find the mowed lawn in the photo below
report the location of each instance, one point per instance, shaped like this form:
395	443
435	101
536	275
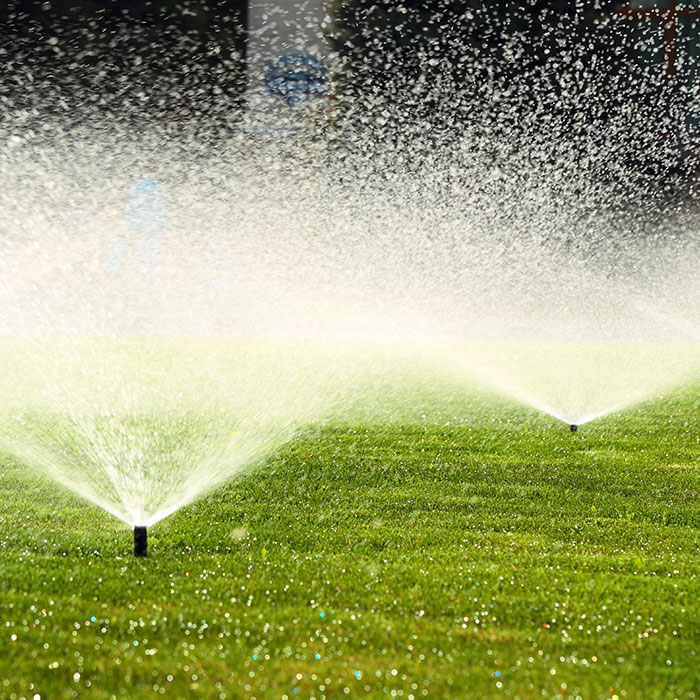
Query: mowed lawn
484	552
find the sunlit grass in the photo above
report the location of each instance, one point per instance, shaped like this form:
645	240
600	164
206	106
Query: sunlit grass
483	553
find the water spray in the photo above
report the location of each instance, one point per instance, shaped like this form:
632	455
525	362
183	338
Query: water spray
573	428
140	541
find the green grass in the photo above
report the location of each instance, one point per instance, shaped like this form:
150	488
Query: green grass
492	556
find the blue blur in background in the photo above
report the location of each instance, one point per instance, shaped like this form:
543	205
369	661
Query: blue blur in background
144	216
145	209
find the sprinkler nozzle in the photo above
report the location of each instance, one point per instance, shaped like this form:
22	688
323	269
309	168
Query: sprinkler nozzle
573	428
140	541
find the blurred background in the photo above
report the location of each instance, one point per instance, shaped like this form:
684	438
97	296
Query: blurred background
88	59
568	79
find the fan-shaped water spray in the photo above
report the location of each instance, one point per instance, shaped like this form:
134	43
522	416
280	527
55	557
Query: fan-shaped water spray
177	305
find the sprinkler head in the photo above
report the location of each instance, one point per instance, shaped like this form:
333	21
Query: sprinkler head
573	428
140	541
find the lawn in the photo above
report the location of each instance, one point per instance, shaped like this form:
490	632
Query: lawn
477	551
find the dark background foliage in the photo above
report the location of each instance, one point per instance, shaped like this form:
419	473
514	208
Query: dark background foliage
490	52
544	83
83	60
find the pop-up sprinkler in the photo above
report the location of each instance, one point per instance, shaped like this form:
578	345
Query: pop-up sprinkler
140	541
573	428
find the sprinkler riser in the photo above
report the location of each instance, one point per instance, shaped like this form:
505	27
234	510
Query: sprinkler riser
573	428
140	541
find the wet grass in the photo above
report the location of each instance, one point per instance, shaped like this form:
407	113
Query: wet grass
494	555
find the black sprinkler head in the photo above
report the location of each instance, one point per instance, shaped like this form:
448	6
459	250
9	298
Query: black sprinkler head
140	541
573	428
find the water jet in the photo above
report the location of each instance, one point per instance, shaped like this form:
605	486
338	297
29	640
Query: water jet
206	346
140	541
